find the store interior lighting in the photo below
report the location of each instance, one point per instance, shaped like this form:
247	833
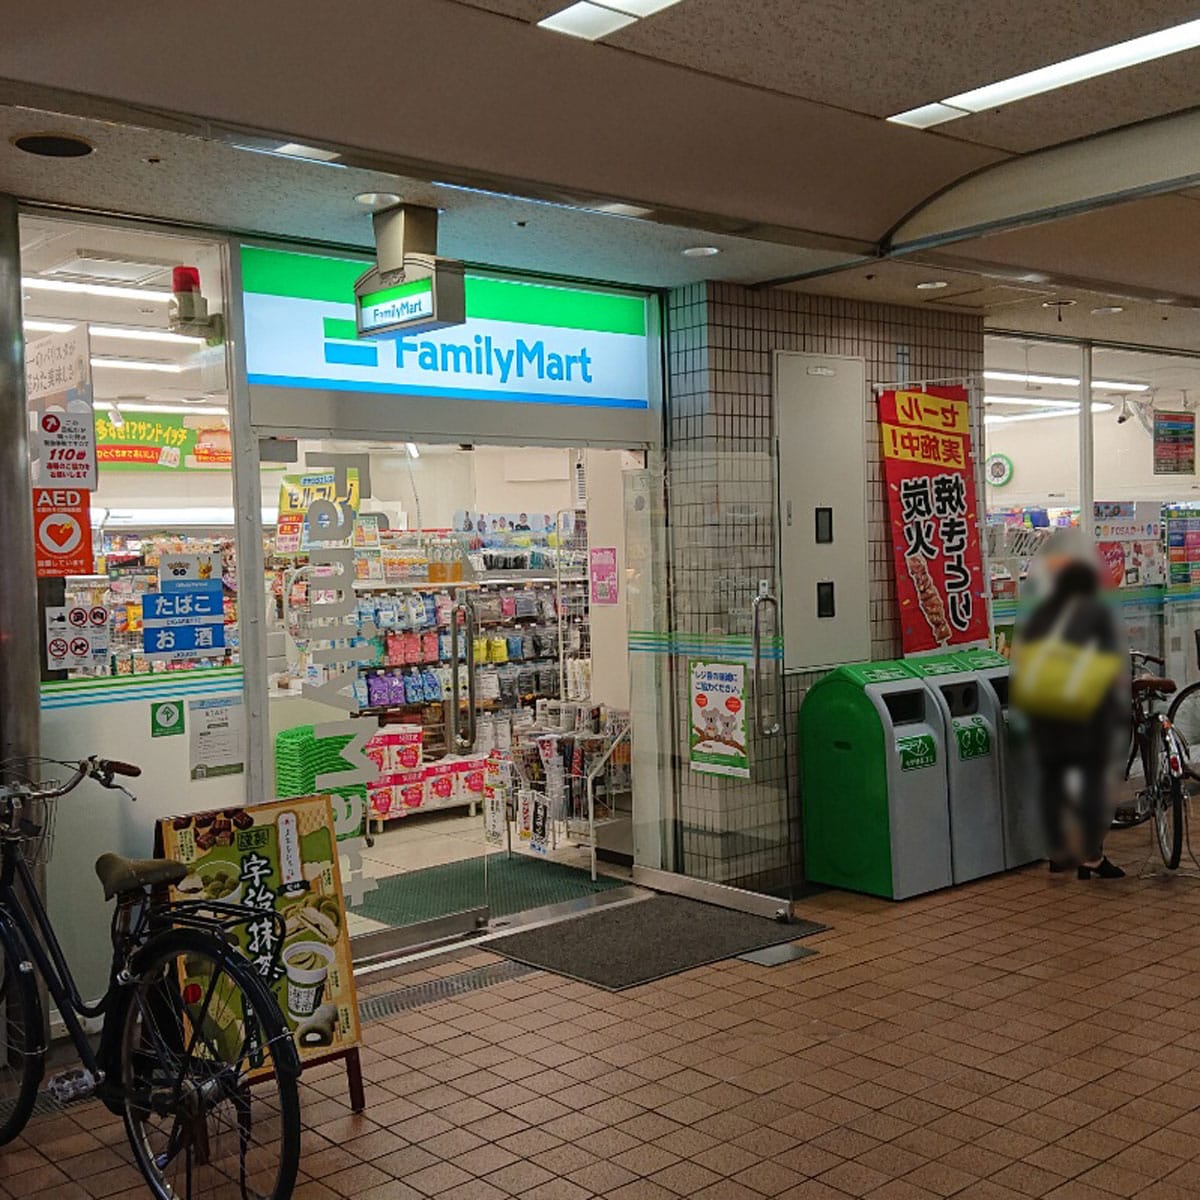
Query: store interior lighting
107	290
170	518
995	419
136	364
1026	401
413	452
1104	61
200	410
1105	385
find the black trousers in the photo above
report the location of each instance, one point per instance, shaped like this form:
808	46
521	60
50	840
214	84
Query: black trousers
1093	802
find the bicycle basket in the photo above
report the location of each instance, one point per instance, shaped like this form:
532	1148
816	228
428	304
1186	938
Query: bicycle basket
36	823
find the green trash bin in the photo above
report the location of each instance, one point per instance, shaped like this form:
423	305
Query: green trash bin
873	783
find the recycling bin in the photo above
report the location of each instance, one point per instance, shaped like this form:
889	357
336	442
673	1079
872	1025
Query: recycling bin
1024	830
972	739
873	782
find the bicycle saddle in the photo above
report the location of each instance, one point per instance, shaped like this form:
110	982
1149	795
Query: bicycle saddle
1153	683
121	875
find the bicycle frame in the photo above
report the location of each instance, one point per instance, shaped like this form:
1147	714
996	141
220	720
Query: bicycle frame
37	938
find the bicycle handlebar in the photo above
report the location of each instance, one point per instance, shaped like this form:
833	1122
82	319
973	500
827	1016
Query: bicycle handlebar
102	770
1147	658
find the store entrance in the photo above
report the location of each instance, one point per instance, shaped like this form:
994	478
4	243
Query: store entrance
476	670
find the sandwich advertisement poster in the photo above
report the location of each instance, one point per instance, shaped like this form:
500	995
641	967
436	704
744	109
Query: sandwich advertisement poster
929	473
163	442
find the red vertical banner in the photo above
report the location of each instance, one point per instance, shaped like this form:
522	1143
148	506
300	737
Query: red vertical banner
929	473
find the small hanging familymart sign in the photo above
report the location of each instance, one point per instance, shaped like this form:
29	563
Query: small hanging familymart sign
523	341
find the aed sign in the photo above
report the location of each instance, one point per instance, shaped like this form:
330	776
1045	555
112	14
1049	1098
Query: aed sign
62	530
518	341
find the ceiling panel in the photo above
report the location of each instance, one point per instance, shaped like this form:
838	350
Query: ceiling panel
431	85
1137	94
885	56
215	185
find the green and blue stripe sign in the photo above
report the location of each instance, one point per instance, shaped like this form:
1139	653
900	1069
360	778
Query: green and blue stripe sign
524	342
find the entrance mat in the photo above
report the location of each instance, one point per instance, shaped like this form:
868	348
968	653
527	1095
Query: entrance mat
514	885
627	944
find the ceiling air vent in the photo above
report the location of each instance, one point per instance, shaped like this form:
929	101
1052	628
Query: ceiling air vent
109	268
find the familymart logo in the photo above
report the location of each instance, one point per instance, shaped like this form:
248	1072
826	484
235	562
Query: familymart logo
522	342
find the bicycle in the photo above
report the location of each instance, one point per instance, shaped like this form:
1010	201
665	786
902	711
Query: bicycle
194	1054
1163	756
1184	712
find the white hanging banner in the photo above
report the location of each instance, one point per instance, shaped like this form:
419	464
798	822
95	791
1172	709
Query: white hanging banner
58	391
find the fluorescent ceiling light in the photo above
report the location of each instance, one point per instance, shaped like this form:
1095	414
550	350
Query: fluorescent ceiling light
93	289
199	410
413	452
206	518
134	364
1029	401
639	8
1057	75
587	21
313	153
1097	407
932	285
35	326
700	251
1107	385
143	335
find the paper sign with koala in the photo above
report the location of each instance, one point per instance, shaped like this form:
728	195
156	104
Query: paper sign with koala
718	719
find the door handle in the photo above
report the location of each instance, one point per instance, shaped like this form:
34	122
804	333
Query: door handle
765	730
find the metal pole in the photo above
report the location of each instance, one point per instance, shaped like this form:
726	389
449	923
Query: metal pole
19	673
1087	457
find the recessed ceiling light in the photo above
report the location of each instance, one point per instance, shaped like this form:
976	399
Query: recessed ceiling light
932	285
617	209
587	21
315	153
1106	309
413	452
1057	75
700	251
94	289
1059	304
639	8
35	326
1164	299
53	145
377	199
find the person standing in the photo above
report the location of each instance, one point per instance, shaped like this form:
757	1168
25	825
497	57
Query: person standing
1074	743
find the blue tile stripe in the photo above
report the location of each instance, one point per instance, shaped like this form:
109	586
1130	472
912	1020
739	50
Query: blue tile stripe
699	645
79	693
347	354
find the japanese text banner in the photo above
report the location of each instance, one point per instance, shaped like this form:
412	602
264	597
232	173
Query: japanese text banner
930	478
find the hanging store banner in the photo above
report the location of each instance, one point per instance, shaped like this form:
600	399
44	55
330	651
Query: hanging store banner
164	442
718	719
930	476
278	857
1174	443
62	530
58	391
523	342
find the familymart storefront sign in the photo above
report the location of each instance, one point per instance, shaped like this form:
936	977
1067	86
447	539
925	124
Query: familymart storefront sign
524	342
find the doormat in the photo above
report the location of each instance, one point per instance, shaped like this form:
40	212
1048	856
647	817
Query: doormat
514	885
619	947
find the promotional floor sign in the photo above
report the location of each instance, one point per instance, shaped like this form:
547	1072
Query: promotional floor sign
718	719
62	530
277	857
58	391
930	478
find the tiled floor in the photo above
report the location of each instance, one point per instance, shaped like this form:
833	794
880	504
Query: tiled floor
1024	1036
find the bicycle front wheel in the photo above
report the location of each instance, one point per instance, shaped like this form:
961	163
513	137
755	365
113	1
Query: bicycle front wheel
208	1075
21	1054
1184	714
1168	821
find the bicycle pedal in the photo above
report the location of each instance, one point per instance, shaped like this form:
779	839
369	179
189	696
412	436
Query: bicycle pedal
69	1087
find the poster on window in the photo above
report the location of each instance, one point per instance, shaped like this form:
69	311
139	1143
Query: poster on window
58	390
279	858
718	719
930	476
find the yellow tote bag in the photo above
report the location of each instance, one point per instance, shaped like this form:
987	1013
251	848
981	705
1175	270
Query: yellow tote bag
1052	677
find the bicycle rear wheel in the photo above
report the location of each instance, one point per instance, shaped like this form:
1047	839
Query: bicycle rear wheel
1184	714
21	1053
1167	800
208	1075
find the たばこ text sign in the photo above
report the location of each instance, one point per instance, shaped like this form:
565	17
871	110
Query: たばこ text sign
930	478
180	625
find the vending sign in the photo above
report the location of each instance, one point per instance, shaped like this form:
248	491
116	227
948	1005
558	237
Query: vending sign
930	477
62	528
